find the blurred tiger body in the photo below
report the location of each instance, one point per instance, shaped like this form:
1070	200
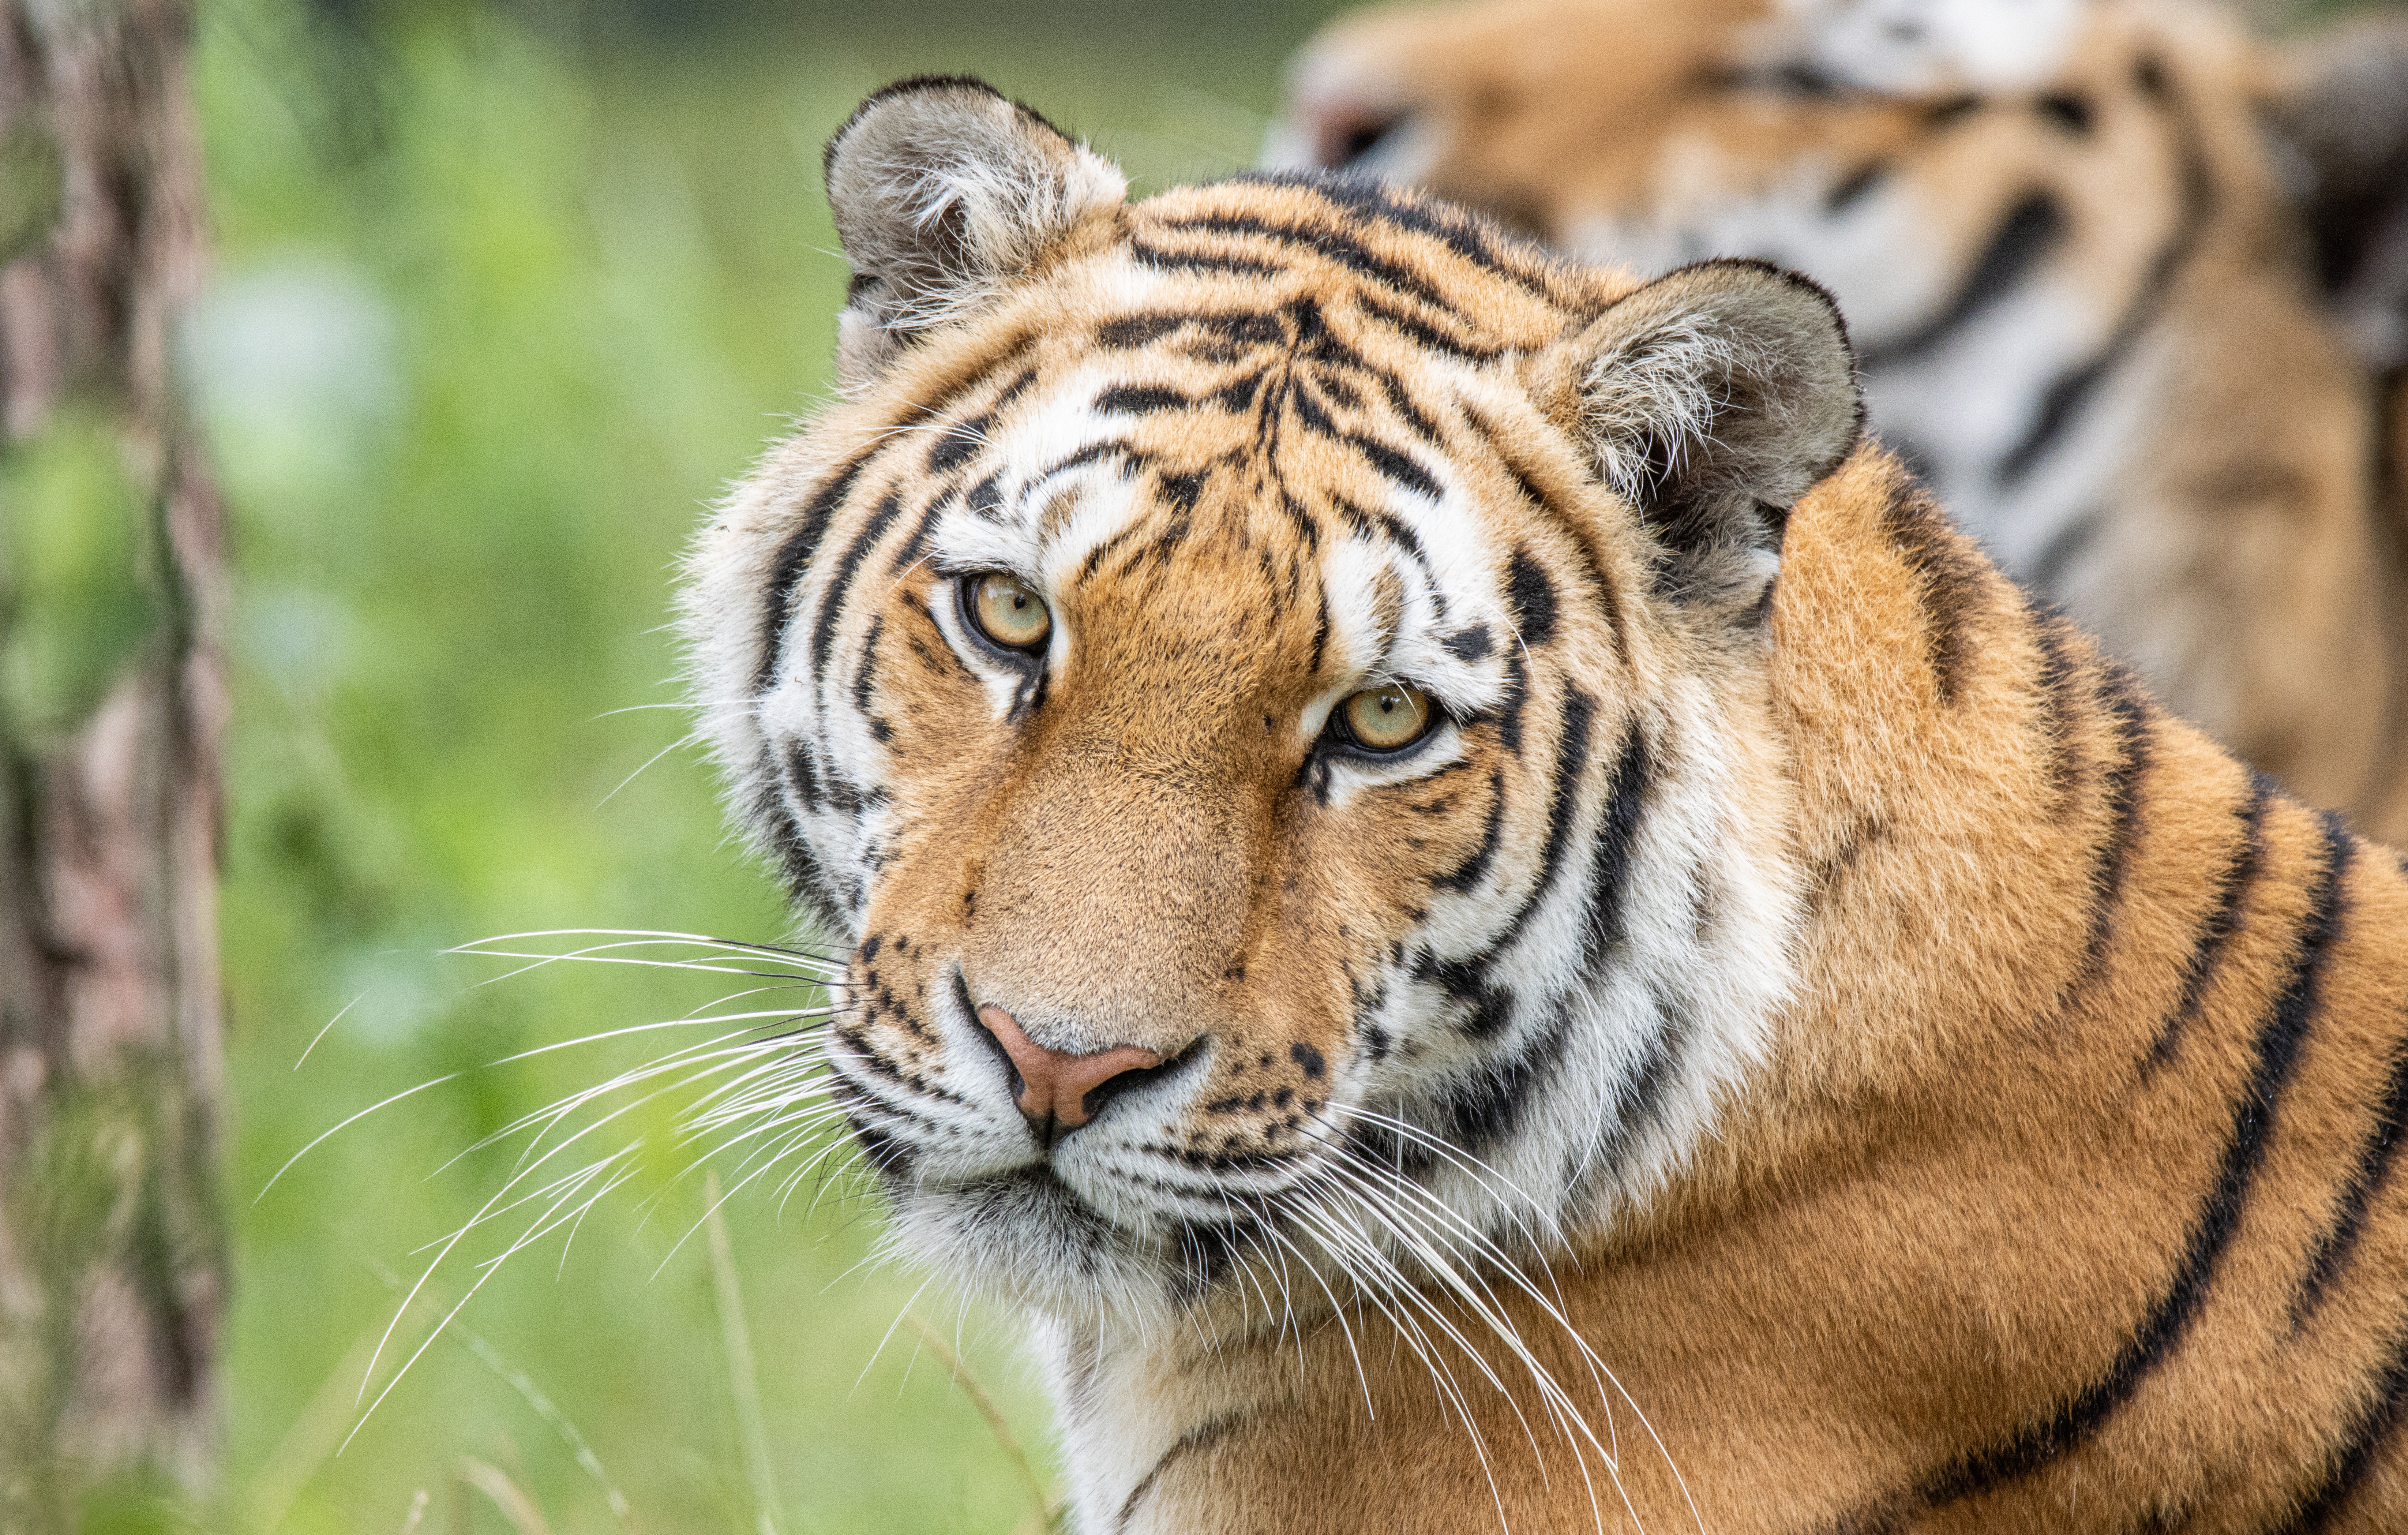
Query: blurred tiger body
2075	268
1801	1044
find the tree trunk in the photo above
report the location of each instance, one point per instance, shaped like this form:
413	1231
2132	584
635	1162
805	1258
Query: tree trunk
112	1260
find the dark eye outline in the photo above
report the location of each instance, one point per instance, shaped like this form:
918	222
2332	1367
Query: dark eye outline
1338	740
966	603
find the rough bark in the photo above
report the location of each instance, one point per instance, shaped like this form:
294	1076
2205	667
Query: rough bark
112	1265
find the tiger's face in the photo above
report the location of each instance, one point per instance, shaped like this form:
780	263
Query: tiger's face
1266	679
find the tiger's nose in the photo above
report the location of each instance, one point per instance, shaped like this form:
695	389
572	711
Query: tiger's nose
1053	1085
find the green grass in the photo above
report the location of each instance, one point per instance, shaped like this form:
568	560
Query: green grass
501	307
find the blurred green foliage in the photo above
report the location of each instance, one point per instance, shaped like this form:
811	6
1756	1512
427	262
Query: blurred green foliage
504	298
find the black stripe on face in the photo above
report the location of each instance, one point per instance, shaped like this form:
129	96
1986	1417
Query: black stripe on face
917	545
2275	1052
1134	400
1137	330
2224	919
2029	234
1457	231
1396	467
2065	397
1429	337
1327	241
1401	402
1517	694
1482	1112
796	553
1563	800
1163	260
1618	842
832	604
1533	598
2121	790
1470	872
1639	1096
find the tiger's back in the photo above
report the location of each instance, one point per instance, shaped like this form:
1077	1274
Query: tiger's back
2077	267
1784	1037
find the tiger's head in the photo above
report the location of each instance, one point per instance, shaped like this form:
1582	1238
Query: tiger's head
1270	682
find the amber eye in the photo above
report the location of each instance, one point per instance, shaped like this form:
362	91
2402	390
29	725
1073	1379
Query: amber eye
1008	612
1387	719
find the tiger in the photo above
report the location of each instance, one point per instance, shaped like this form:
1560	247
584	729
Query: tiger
1475	909
2089	260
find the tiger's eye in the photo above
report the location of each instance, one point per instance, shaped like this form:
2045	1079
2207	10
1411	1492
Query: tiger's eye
1386	719
1008	612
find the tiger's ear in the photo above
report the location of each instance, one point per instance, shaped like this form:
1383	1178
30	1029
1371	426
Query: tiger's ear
1710	399
942	190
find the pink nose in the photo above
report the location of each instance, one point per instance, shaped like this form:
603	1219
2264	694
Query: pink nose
1054	1083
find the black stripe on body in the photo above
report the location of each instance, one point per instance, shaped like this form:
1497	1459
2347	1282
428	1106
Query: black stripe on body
2121	792
2225	917
1189	1443
2375	1154
1948	580
2056	677
2067	394
2029	234
2275	1052
2057	556
2345	1470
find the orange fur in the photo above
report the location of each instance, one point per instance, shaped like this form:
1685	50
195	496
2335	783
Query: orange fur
2055	1194
2234	545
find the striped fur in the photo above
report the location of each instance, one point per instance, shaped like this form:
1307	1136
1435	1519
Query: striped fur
1807	1045
2071	254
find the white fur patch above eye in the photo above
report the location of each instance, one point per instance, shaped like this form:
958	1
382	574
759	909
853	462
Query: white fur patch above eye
1916	46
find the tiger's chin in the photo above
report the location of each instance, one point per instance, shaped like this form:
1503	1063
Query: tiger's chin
1025	1239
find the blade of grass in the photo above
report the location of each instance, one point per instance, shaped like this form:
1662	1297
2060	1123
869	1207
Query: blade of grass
1042	1508
743	1385
505	1495
519	1380
417	1511
314	1433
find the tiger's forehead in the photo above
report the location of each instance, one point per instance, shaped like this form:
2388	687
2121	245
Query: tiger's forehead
1209	445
